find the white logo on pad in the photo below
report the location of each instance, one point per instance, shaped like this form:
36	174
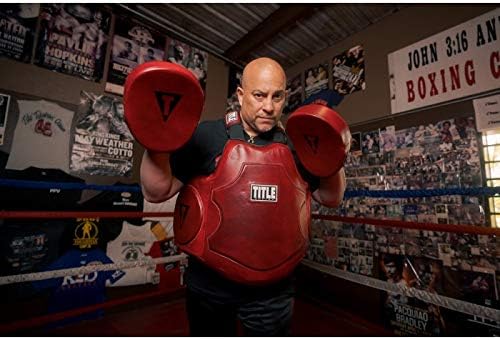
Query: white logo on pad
263	193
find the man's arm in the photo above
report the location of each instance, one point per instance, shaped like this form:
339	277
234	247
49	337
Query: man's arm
157	181
331	189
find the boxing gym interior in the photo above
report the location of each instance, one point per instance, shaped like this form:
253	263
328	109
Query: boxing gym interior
412	249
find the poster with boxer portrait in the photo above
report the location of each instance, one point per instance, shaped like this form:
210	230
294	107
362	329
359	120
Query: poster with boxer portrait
17	30
348	71
73	39
133	44
232	103
190	57
316	79
102	144
294	91
197	64
408	316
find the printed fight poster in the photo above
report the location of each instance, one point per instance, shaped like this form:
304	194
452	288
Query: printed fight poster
408	316
294	91
316	79
102	145
190	57
17	29
232	103
348	71
73	39
133	44
4	111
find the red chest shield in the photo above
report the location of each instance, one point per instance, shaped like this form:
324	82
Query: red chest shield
250	219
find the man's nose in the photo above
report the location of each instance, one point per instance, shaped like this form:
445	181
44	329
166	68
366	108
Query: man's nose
268	105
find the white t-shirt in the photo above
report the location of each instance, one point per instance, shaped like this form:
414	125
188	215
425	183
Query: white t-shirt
133	243
42	135
166	206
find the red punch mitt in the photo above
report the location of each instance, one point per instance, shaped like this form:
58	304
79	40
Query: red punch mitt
321	138
163	104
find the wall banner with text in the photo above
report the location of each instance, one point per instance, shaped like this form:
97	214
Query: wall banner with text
459	62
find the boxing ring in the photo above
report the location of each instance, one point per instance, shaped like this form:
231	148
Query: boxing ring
33	322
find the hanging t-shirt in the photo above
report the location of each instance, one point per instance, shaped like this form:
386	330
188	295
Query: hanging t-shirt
170	273
71	292
25	247
166	206
41	137
40	199
133	244
89	233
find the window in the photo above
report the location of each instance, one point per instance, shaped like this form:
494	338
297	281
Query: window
491	153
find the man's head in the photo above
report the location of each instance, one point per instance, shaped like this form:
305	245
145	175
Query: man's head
198	59
261	95
178	53
128	45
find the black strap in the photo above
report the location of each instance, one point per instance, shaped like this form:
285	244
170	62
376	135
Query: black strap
235	129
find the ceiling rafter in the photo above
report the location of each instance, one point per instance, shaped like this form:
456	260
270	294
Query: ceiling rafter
285	16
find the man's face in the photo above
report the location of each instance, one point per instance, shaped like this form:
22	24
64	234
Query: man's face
179	53
262	97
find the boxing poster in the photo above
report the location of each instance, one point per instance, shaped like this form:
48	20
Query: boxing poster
133	44
316	79
102	145
348	71
408	316
294	91
4	111
232	103
73	39
17	29
190	57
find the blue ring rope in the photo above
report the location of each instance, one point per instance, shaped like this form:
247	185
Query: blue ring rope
474	191
14	183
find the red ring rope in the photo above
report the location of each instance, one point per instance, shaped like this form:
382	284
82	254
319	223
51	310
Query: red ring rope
453	228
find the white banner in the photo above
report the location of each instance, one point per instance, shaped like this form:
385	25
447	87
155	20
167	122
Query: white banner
459	62
487	113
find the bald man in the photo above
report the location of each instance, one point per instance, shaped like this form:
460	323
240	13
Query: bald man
215	301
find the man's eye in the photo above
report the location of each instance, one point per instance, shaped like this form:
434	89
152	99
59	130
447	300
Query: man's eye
278	97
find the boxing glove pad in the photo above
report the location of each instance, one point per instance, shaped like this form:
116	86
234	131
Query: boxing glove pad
163	104
321	138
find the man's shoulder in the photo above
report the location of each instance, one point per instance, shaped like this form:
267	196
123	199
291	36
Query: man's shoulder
209	129
215	124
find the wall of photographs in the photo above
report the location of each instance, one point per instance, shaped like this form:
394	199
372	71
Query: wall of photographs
443	154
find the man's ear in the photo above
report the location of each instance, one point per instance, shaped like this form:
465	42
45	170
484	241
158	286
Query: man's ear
240	92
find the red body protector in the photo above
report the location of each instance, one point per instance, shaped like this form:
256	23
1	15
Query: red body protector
250	219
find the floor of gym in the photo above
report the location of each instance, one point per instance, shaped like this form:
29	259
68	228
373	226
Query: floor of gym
168	318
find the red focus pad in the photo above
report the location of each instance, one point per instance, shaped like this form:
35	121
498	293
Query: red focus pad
163	104
321	138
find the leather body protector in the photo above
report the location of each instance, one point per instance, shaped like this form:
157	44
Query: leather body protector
250	219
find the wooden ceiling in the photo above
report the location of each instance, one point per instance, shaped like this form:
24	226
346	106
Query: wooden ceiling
238	33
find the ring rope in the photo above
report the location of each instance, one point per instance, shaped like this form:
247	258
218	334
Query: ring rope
432	298
451	228
52	274
474	191
25	184
81	214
